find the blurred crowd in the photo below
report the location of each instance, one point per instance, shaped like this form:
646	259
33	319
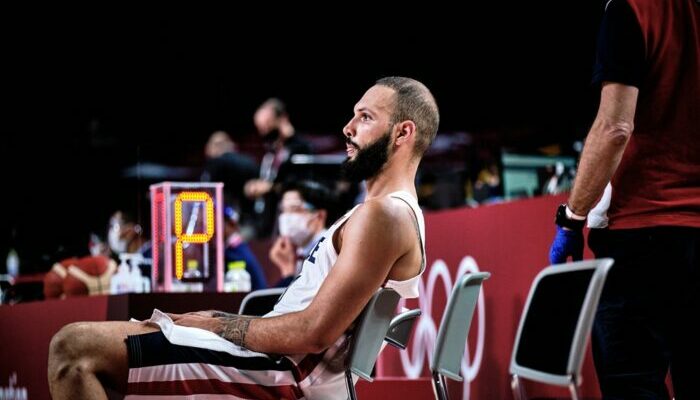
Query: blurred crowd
282	188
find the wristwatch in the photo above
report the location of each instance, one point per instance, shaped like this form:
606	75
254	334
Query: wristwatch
565	222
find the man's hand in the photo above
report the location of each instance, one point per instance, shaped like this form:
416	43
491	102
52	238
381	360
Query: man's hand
255	188
231	327
566	243
283	255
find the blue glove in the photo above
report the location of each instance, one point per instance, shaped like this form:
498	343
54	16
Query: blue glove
566	243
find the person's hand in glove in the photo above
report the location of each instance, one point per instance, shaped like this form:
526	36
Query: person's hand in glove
568	242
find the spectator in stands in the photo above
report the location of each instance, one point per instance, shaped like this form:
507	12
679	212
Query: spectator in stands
304	212
225	164
558	179
238	250
79	276
125	235
487	188
274	126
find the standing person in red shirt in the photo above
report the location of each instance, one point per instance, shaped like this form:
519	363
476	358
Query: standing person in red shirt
646	141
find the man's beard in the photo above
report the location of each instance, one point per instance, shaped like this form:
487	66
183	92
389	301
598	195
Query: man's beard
369	161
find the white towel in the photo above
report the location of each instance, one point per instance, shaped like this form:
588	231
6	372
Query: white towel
598	216
196	337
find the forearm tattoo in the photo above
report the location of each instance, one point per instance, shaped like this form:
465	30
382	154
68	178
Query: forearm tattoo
220	314
235	328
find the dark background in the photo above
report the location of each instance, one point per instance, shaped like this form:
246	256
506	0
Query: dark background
88	93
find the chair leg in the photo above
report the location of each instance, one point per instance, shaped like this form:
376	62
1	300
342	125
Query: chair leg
440	387
573	389
352	395
518	389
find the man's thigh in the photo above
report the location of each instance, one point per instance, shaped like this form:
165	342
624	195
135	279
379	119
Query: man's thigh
160	368
630	347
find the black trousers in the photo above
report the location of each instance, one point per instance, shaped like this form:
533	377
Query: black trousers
648	313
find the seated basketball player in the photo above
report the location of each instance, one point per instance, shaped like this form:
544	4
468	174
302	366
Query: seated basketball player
297	350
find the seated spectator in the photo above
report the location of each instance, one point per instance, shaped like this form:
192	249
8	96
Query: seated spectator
90	275
126	235
238	250
304	211
487	188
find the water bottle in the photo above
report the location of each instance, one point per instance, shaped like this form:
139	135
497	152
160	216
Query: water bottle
121	282
191	272
135	278
12	263
146	280
237	279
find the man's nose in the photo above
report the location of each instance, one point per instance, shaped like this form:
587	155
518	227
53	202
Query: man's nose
347	130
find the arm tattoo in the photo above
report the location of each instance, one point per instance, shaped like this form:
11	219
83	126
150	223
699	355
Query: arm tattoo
235	328
220	314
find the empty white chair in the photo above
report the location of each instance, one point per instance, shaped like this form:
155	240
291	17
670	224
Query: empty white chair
556	323
454	328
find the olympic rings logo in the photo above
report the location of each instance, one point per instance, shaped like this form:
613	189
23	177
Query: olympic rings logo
426	329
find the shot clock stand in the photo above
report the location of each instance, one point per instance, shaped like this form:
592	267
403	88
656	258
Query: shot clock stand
187	237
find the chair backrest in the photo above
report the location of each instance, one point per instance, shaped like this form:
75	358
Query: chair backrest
260	302
369	332
454	327
556	322
401	327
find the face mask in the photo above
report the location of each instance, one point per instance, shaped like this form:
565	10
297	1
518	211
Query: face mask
116	243
295	226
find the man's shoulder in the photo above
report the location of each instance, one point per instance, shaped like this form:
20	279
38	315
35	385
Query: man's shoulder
386	209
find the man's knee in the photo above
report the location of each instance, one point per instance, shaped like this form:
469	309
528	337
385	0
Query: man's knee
68	340
71	344
66	352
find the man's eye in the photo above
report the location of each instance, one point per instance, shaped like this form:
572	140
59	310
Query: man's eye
365	117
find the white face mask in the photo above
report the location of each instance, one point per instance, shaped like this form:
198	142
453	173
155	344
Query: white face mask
116	243
295	226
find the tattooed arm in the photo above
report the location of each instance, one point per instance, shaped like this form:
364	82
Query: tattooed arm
231	327
376	242
235	328
221	314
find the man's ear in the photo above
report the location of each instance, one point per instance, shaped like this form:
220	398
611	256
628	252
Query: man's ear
406	132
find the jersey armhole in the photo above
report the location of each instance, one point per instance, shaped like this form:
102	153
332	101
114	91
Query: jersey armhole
420	238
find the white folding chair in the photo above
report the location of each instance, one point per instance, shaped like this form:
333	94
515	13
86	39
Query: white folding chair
260	302
454	328
367	337
401	327
555	325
